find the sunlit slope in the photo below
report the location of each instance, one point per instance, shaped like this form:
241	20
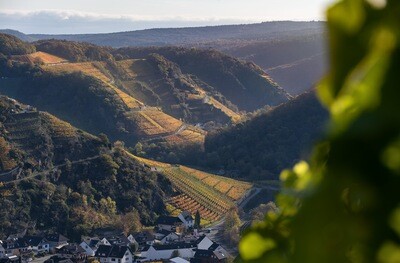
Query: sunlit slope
40	57
158	82
151	122
207	193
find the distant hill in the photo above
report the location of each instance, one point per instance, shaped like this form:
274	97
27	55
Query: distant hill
195	35
295	63
292	53
261	147
17	34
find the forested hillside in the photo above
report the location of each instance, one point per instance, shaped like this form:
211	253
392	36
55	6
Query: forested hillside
261	147
64	179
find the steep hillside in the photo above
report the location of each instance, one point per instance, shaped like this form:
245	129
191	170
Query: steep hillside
64	179
243	84
84	94
260	148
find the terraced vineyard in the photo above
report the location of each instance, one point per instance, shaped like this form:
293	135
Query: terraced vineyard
209	194
154	123
190	134
232	188
129	101
198	195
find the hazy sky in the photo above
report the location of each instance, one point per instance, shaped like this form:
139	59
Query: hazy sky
95	16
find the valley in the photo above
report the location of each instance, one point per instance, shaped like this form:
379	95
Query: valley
142	132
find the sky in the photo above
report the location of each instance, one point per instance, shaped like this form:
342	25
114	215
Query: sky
103	16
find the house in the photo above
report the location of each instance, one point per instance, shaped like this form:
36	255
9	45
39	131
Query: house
56	240
187	219
73	252
11	259
15	247
209	256
178	260
120	240
163	252
114	254
169	223
38	244
90	246
209	251
144	238
2	250
170	238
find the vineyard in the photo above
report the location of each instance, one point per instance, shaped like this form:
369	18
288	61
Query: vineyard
209	194
232	188
197	195
190	134
129	101
40	57
154	123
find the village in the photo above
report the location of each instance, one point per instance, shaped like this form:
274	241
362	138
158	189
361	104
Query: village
174	239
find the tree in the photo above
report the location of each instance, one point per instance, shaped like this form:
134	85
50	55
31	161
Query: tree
343	205
197	219
175	254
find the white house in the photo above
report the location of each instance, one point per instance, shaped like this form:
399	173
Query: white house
162	252
114	254
187	219
90	246
38	244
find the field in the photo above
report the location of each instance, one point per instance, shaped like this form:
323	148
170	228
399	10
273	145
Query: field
40	57
209	194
